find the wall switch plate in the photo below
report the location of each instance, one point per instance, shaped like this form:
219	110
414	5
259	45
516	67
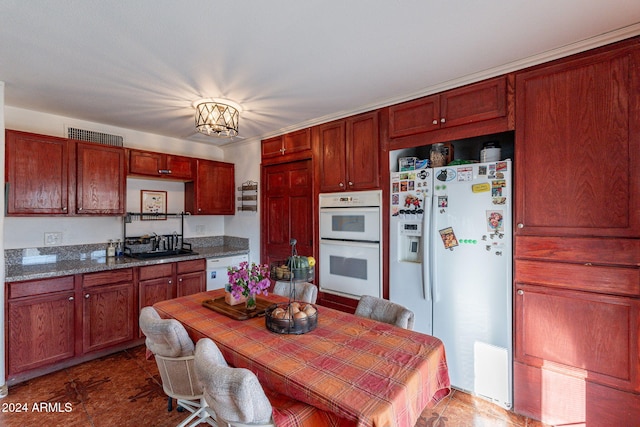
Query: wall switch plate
52	238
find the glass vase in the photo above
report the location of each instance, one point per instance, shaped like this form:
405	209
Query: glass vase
250	303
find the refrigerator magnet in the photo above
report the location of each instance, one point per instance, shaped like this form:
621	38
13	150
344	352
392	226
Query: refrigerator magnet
448	238
443	201
495	220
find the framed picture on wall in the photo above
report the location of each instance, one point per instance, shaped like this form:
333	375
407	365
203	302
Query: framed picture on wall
153	204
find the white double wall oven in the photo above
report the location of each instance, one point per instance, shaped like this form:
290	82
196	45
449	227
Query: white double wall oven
350	257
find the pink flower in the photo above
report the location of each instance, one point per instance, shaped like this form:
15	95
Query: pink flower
245	280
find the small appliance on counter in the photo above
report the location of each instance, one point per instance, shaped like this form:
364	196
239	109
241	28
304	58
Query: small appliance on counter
154	245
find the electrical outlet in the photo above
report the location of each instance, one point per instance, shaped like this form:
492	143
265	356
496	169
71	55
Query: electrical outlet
200	229
52	238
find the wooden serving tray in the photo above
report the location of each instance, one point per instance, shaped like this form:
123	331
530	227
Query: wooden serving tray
237	312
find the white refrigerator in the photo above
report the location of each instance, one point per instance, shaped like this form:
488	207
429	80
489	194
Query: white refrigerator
451	264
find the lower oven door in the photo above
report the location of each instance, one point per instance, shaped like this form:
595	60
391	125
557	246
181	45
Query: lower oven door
350	268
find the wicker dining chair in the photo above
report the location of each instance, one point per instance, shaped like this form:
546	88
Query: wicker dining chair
385	311
173	351
304	291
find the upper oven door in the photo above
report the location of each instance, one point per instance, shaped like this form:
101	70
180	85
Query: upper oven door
361	224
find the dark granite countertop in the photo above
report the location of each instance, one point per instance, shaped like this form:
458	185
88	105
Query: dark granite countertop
16	272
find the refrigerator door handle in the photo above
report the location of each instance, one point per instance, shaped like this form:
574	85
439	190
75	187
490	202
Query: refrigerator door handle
426	249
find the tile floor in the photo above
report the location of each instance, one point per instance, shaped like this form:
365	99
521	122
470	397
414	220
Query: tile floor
124	389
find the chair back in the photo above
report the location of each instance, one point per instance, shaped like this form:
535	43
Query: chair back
234	394
173	349
164	337
304	291
385	311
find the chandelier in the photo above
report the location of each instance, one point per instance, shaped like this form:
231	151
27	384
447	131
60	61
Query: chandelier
217	117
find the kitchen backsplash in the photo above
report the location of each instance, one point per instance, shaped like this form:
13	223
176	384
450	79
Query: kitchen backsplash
50	254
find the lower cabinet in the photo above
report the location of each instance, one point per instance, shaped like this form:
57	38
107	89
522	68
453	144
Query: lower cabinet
40	323
58	322
108	309
191	277
577	317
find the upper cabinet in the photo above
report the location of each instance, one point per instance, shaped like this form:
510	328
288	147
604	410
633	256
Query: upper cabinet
36	174
482	108
160	165
289	147
55	176
100	187
348	153
212	192
578	139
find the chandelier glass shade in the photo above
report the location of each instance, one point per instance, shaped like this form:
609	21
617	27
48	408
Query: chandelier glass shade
217	118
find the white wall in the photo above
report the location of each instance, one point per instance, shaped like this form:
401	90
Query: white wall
246	156
29	232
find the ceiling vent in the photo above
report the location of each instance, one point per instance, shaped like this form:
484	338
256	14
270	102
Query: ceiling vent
91	136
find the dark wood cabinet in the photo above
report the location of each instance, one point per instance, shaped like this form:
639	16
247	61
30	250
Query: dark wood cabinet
288	147
101	180
160	165
488	105
109	315
576	246
212	192
54	176
348	154
191	277
578	154
36	174
287	200
40	323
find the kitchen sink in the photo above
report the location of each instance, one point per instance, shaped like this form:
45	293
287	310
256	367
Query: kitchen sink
160	254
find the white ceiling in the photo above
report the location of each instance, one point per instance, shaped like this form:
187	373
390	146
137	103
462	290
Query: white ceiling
140	64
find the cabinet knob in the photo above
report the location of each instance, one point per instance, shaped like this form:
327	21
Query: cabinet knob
520	292
435	122
180	279
442	120
282	150
79	208
341	185
199	209
71	298
64	208
520	225
170	281
86	296
350	183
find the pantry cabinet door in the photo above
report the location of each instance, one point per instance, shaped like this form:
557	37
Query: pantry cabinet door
578	155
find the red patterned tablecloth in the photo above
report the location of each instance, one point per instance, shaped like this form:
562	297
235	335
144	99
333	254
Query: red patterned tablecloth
364	371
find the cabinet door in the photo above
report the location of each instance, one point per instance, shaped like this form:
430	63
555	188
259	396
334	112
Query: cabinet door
288	210
100	179
363	150
413	117
473	103
213	191
107	316
36	174
145	163
179	167
272	147
593	333
297	141
191	283
332	156
578	154
40	331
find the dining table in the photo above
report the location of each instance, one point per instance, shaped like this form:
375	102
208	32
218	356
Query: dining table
363	372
